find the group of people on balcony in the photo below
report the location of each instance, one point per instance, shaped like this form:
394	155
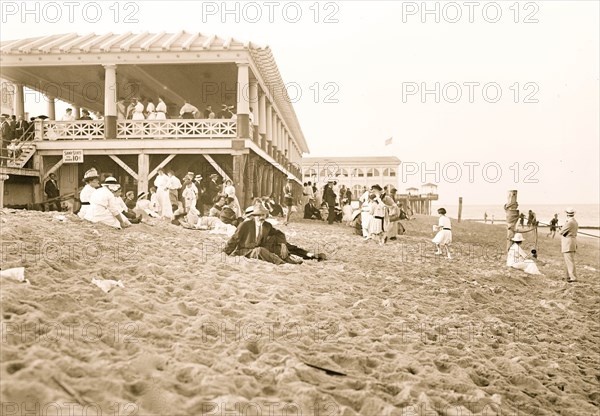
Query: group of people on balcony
14	131
136	110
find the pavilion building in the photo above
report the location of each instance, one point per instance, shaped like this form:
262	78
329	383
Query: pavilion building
258	148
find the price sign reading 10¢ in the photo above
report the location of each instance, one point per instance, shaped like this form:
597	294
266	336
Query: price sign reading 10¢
72	156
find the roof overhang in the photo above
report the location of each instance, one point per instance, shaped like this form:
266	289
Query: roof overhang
23	60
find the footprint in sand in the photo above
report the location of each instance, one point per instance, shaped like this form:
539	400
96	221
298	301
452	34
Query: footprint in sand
190	311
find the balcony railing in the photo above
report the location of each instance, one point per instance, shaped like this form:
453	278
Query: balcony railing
137	129
70	130
176	129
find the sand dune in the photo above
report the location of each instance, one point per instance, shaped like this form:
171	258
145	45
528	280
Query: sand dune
194	332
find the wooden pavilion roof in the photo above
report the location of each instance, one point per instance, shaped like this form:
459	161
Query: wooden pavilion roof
73	48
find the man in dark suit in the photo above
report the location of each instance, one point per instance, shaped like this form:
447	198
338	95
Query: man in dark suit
329	197
21	127
212	189
250	238
52	191
5	127
311	212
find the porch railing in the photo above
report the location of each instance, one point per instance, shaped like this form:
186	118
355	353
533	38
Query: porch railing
137	129
70	130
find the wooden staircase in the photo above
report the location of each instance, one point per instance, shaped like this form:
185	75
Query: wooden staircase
27	150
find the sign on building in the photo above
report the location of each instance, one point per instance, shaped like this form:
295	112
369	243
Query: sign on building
72	156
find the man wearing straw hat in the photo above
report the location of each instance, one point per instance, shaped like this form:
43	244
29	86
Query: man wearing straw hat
569	243
250	237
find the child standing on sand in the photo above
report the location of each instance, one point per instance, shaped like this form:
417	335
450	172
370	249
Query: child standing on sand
443	238
376	231
190	196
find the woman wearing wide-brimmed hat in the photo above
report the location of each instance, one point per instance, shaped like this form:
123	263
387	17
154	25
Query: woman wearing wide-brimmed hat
103	205
92	182
517	258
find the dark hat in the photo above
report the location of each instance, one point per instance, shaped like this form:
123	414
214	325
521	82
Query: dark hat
376	187
442	211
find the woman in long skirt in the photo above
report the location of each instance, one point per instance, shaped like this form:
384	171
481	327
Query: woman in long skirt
376	224
230	192
443	238
162	192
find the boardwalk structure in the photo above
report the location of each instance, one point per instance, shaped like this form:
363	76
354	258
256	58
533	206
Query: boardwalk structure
360	173
258	147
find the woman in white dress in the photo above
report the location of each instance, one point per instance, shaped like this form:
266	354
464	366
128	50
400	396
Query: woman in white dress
443	238
150	110
162	193
365	214
517	258
104	207
161	110
230	192
138	111
92	182
144	206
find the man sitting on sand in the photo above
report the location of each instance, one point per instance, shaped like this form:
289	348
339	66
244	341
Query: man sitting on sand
276	242
250	237
311	212
517	257
227	214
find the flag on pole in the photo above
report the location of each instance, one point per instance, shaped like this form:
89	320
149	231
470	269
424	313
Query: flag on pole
388	141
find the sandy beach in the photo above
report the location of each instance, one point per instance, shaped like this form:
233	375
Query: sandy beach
193	332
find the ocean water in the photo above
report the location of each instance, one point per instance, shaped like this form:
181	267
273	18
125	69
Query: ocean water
587	215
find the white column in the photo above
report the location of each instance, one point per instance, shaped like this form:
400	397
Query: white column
269	123
275	130
19	101
279	138
262	110
243	87
254	101
51	108
110	101
110	90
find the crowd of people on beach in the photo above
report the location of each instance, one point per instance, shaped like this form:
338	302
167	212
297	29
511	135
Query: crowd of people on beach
199	204
182	203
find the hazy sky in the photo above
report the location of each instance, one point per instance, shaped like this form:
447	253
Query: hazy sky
518	91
